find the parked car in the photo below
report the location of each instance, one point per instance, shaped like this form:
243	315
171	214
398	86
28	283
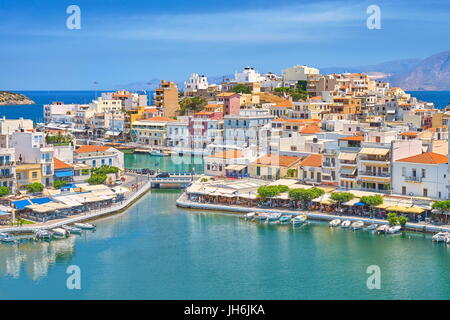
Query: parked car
163	175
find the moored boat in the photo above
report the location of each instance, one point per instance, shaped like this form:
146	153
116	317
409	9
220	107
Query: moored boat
372	226
59	232
7	238
71	229
285	218
357	225
273	217
394	229
383	228
250	216
299	219
87	226
440	237
346	224
335	222
262	216
158	153
42	234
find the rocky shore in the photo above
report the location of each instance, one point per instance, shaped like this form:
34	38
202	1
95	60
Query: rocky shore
10	98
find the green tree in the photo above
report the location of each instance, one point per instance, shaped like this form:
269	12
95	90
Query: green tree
58	184
292	173
372	201
305	195
271	191
392	218
341	197
402	220
97	178
34	187
241	88
193	104
105	170
4	191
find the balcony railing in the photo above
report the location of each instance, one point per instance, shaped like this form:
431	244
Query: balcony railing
375	174
413	179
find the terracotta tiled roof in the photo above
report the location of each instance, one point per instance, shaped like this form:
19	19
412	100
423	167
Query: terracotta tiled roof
228	154
310	129
283	104
58	164
88	148
409	134
353	138
276	160
313	160
296	120
426	158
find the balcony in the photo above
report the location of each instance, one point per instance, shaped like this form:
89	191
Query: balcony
375	174
6	176
413	179
6	164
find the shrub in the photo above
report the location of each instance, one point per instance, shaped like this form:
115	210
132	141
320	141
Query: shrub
34	187
271	191
58	184
104	170
402	220
341	197
4	191
372	201
392	218
97	178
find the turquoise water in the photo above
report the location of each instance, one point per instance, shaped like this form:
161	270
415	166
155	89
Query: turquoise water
158	251
173	163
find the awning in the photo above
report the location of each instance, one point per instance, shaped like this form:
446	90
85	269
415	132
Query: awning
61	174
235	167
113	133
40	200
21	204
374	151
3	213
347	156
347	170
415	209
351	202
397	208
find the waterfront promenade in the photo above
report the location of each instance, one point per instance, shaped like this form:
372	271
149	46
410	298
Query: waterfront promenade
143	186
184	202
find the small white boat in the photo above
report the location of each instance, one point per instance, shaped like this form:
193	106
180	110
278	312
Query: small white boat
262	216
87	226
274	217
447	240
335	222
42	234
6	237
372	226
394	229
383	228
285	218
60	232
357	225
299	219
440	237
158	153
250	215
72	229
346	224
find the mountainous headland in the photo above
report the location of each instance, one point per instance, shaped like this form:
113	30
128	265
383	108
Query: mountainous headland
8	98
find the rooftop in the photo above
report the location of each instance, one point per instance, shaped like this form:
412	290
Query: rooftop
426	158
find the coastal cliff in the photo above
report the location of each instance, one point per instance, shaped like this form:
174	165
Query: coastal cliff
11	98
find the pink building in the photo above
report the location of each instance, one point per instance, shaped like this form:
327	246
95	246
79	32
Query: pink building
231	103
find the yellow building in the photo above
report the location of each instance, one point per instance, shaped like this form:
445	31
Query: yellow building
28	173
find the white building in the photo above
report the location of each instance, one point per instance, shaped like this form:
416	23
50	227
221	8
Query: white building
97	156
248	75
298	73
178	134
196	82
423	175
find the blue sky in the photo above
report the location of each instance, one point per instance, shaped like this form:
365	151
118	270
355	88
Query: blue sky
127	41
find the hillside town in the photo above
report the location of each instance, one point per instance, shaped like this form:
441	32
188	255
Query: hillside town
340	132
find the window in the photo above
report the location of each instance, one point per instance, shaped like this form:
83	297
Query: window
110	161
403	171
34	174
425	192
404	190
258	171
423	173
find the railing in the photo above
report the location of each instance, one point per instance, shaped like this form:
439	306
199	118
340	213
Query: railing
413	179
374	174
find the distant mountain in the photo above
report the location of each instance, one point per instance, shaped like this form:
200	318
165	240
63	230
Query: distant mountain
388	68
432	73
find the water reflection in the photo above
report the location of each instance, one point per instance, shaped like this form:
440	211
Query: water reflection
34	257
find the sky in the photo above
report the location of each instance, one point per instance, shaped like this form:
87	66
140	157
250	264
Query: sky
122	42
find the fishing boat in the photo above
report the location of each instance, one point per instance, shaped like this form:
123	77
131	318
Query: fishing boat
285	218
7	238
72	229
250	216
383	228
394	229
299	219
41	234
372	226
440	237
86	226
262	216
158	153
274	217
60	232
346	224
335	222
357	225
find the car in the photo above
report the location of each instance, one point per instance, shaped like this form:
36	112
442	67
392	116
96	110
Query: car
118	181
163	175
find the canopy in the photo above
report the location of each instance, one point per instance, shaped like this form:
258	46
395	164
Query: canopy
351	202
347	156
374	151
359	203
347	170
415	209
40	208
397	208
3	213
62	174
41	200
235	167
113	133
69	201
21	204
